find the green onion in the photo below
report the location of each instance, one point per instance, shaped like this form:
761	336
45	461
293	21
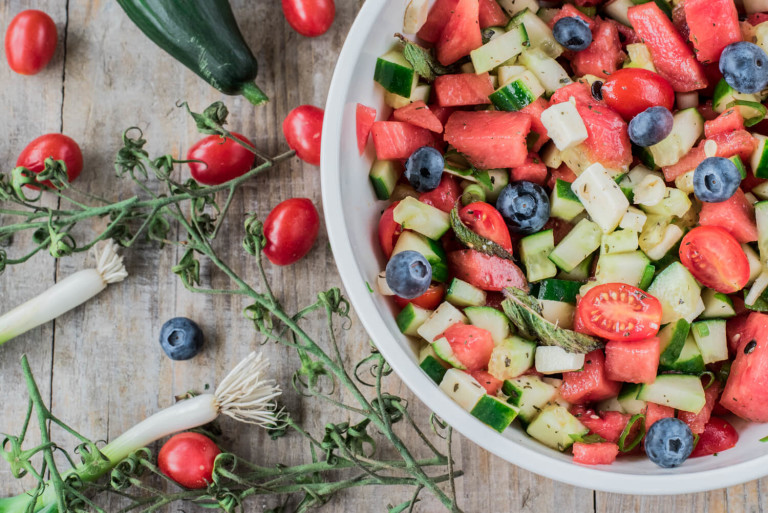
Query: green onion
759	107
473	192
65	295
623	447
244	395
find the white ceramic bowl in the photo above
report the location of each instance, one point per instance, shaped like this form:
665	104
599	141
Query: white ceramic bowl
352	213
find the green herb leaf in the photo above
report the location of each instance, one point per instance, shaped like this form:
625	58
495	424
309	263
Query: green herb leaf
483	178
592	438
422	60
528	320
764	439
475	241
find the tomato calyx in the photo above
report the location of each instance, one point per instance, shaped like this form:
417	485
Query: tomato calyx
617	311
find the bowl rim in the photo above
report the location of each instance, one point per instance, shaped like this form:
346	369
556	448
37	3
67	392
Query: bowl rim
663	483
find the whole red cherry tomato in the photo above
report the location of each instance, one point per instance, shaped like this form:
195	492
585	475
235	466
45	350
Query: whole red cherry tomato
484	220
618	311
302	129
30	42
222	159
291	229
718	436
56	146
309	18
188	458
389	230
715	259
630	91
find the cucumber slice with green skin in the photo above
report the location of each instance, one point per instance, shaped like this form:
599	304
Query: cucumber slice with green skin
441	319
647	278
534	252
690	360
554	360
499	50
499	179
679	294
431	249
410	319
549	72
425	219
759	159
580	242
601	197
462	388
443	350
675	203
716	305
529	394
395	73
513	7
645	156
687	127
628	399
494	413
539	34
518	93
563	203
492	320
556	427
432	364
558	313
672	338
580	273
711	339
620	241
610	404
639	57
630	268
659	236
384	176
511	358
725	94
461	293
559	290
761	190
679	391
508	73
739	165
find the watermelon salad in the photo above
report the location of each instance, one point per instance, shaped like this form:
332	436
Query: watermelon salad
576	216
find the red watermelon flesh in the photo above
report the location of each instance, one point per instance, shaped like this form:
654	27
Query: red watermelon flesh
735	214
570	11
489	139
591	384
463	89
532	170
603	56
602	453
365	116
437	19
461	34
746	391
729	121
491	14
655	412
534	109
713	25
737	142
418	114
484	271
697	421
632	362
397	140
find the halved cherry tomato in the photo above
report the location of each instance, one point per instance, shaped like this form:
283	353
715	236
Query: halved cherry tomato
291	229
430	300
389	230
618	311
309	18
303	128
630	91
483	219
188	459
30	42
715	259
718	436
56	146
471	345
221	159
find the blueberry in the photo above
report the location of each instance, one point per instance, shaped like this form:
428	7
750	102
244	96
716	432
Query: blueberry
669	442
715	180
181	338
424	168
651	126
745	67
409	274
524	206
573	33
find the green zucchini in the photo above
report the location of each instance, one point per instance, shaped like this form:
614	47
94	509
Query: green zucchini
202	35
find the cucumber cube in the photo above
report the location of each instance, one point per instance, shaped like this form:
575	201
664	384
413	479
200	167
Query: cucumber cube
384	176
494	412
559	290
425	219
444	351
580	242
534	251
432	364
529	394
511	358
674	203
672	337
687	127
716	305
679	391
395	73
620	241
679	294
462	388
410	319
633	219
711	339
519	92
549	72
489	319
499	50
564	204
554	359
628	399
630	268
461	293
539	33
556	427
441	319
690	360
431	249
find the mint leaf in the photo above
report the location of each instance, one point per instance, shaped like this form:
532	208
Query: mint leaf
483	178
422	60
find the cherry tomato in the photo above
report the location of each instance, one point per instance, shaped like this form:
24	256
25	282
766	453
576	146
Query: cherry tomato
291	229
188	458
718	436
30	42
715	259
430	300
309	18
630	91
56	146
618	311
484	220
221	159
389	230
303	128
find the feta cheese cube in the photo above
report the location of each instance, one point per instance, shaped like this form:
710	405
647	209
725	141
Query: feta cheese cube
564	125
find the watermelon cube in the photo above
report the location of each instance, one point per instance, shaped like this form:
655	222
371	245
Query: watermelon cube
535	109
489	139
491	14
735	214
437	19
418	114
397	140
654	412
632	361
746	391
713	25
603	56
461	34
603	453
728	121
532	170
365	116
463	89
697	421
590	384
485	271
608	424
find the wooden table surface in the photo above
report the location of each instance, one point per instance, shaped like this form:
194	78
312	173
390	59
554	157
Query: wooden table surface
100	365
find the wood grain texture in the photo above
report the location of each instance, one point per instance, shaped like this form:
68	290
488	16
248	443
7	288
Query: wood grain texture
101	364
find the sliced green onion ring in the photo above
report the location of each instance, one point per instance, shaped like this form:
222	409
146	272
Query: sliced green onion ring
623	447
752	105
